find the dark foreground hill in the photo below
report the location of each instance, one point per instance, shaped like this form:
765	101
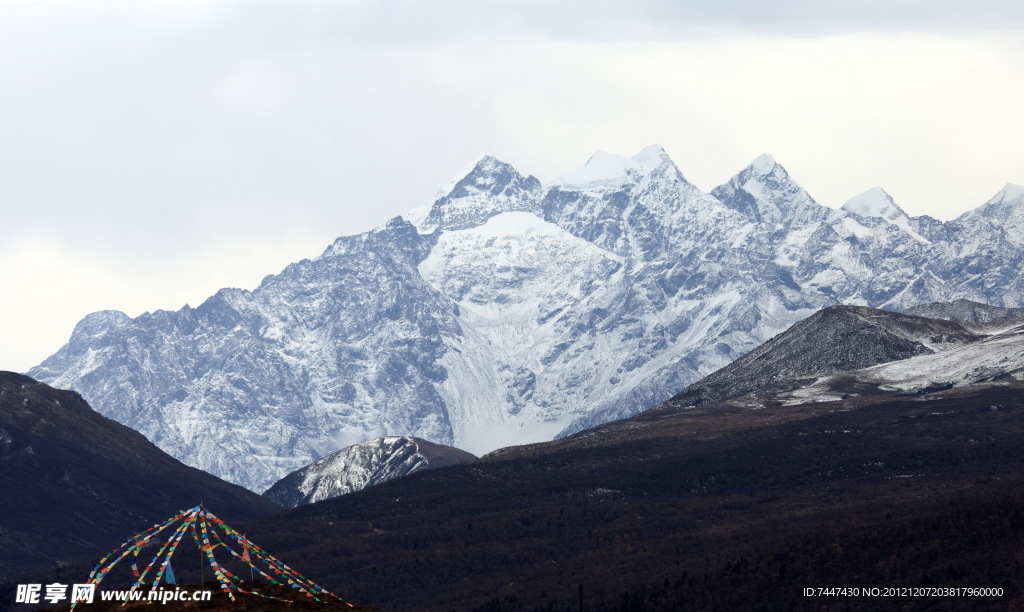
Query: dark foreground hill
75	484
719	507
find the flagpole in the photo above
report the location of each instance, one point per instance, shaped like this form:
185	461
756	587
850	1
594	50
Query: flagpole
245	548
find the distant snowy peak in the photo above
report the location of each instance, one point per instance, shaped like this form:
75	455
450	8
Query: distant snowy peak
1011	194
362	465
1004	213
1006	204
608	170
489	175
764	165
98	323
490	187
764	192
875	203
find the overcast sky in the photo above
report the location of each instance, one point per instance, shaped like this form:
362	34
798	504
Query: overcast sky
153	152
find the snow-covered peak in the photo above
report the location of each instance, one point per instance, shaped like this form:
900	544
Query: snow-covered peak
765	193
98	323
601	170
763	165
648	159
477	165
605	169
877	203
486	174
488	164
489	186
1010	194
874	202
1005	210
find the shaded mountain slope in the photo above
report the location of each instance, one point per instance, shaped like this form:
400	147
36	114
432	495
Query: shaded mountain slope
998	356
76	483
835	339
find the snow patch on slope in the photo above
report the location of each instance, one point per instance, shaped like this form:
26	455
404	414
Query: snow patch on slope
510	279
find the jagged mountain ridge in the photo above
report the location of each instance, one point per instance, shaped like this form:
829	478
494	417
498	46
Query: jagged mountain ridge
362	465
509	311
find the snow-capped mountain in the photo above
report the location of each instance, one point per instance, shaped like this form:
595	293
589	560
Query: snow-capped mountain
362	465
875	203
508	311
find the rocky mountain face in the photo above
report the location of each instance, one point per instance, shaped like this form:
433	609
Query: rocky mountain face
362	465
508	311
76	483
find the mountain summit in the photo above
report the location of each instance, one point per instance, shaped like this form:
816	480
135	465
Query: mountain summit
765	193
1011	194
508	311
876	203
